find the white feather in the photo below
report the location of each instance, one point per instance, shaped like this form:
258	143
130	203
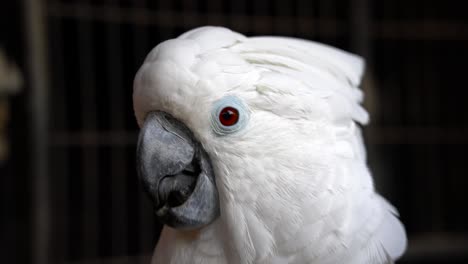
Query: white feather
293	185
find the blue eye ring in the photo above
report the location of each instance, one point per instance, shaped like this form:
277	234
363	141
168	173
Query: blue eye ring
230	102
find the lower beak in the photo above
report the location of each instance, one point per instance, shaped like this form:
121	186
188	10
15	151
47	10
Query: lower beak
176	173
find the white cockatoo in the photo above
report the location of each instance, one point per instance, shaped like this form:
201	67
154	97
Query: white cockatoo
251	151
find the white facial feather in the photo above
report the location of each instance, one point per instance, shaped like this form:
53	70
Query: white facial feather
293	183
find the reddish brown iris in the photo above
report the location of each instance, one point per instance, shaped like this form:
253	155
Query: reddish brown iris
229	116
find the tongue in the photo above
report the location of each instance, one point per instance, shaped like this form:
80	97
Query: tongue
174	190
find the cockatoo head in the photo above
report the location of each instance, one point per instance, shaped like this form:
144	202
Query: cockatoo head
229	121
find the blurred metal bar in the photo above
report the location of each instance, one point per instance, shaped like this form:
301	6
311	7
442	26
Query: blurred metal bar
429	86
59	156
190	6
284	9
164	32
435	245
262	22
117	156
377	135
145	229
422	30
169	18
140	37
327	9
418	135
36	43
238	7
361	42
305	29
93	138
361	28
389	29
116	260
213	7
89	120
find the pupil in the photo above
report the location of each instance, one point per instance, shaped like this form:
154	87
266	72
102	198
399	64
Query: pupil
227	115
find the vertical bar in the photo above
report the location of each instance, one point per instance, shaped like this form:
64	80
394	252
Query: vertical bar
215	10
388	7
361	21
361	43
118	164
279	12
327	13
361	28
189	7
238	8
4	181
59	154
36	43
89	121
146	228
165	32
261	10
304	11
430	110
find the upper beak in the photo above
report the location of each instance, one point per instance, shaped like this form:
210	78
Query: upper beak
176	173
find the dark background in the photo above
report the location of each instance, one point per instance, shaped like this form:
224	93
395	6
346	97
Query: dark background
69	192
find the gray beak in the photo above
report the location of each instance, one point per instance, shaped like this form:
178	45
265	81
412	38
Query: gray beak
176	173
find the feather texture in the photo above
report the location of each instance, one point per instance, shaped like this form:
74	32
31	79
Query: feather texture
293	184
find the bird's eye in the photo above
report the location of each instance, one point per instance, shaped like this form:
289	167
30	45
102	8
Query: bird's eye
229	115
